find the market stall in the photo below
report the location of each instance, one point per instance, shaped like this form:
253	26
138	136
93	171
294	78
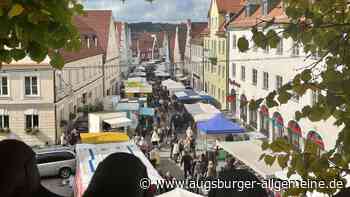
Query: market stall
100	138
116	120
173	86
201	111
132	109
216	128
250	156
187	96
136	89
178	192
90	155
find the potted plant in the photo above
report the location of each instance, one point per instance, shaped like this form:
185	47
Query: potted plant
35	130
6	130
28	130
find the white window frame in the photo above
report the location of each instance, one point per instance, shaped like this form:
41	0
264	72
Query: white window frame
8	85
32	120
265	80
279	85
2	117
243	73
255	77
38	85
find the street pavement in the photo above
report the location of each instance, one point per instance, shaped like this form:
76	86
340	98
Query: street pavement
55	185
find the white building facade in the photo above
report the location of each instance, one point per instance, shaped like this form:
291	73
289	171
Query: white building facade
257	72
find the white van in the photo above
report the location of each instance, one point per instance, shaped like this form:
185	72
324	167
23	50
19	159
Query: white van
53	162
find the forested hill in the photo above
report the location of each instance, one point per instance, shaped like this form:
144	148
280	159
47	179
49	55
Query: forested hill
152	27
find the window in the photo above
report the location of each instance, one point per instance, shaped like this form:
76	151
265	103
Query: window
4	121
234	42
4	86
279	50
32	121
267	49
266	81
233	70
242	73
295	49
31	85
255	77
83	98
219	69
223	71
314	97
279	82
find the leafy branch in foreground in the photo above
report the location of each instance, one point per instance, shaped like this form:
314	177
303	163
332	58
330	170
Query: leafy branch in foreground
38	29
322	28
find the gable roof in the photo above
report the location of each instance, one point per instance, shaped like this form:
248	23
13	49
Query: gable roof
243	21
197	28
227	6
99	20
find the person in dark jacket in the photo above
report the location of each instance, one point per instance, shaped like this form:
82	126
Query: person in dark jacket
118	175
187	160
19	174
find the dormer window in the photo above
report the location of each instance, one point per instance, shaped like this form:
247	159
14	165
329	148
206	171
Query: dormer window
87	41
95	41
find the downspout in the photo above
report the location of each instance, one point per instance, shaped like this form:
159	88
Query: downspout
54	105
227	66
103	75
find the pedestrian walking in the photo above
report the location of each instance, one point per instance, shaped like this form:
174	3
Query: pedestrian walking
187	160
176	151
211	172
173	140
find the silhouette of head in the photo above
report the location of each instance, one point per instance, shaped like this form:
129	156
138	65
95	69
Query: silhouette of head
19	175
118	175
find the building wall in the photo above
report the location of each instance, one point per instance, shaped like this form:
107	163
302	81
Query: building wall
17	104
112	63
196	66
215	76
286	65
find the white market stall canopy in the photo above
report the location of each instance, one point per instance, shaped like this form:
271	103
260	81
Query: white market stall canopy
178	192
144	89
161	74
249	153
137	79
201	111
119	122
173	86
138	74
90	155
96	119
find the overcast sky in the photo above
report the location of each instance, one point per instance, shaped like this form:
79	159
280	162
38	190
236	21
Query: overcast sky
159	11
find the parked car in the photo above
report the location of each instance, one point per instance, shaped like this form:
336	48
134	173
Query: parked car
53	162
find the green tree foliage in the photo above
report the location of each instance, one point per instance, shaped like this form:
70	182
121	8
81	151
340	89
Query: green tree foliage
322	28
37	28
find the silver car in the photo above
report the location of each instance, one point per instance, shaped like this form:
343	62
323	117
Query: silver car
53	162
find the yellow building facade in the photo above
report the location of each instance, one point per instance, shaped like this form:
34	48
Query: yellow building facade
215	67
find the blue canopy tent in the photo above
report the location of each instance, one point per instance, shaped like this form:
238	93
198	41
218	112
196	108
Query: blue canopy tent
219	125
188	96
216	126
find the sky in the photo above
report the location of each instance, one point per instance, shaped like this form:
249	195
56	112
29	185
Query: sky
172	11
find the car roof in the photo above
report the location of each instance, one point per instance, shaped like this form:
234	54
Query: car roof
54	149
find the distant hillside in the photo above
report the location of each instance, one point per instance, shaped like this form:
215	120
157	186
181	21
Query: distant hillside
152	27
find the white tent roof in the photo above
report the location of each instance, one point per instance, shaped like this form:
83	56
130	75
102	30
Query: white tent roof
201	111
137	79
119	122
249	153
178	192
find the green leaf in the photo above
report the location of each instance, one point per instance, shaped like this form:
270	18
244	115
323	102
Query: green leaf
284	97
243	44
16	10
273	38
262	156
1	12
265	145
269	160
5	56
283	161
18	54
57	61
306	75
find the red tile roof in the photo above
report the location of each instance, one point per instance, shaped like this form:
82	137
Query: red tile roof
197	29
99	20
85	30
227	6
248	21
